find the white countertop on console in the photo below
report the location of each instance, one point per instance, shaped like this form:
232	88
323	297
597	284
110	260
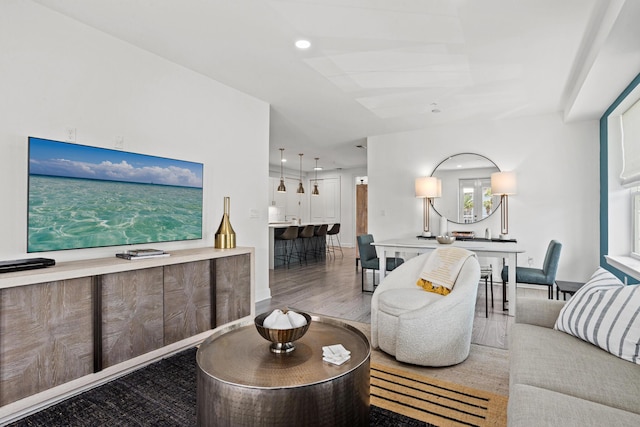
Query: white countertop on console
93	267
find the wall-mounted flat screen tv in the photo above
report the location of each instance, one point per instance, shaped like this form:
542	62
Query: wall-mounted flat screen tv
87	197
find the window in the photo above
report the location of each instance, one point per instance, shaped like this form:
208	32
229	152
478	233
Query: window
635	206
476	202
630	176
631	146
619	204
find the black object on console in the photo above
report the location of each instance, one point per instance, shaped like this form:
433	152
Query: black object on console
25	264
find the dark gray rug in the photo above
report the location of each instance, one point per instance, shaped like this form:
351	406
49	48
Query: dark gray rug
160	394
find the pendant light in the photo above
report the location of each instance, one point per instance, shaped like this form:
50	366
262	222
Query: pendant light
281	187
300	187
315	191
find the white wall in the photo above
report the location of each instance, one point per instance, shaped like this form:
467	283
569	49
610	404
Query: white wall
56	73
558	189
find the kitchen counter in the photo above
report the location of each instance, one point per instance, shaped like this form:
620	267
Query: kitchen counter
286	224
277	228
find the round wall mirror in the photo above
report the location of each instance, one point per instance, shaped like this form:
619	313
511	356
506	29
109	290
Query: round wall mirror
466	188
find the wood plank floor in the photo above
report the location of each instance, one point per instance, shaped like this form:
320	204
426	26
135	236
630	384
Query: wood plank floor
332	287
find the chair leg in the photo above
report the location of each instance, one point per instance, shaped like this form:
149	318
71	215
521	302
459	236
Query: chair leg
486	296
362	274
290	253
302	253
329	243
504	296
292	248
491	277
339	246
283	252
287	256
311	249
298	254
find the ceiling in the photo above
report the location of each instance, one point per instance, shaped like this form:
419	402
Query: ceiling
382	66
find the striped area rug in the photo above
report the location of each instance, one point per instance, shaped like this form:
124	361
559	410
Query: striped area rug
434	401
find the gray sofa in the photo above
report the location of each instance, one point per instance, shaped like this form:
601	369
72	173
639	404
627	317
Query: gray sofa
556	379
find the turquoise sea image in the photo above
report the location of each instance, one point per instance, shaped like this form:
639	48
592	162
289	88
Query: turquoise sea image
85	197
68	213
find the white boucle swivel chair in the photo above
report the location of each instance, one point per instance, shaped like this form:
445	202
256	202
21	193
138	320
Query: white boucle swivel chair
420	327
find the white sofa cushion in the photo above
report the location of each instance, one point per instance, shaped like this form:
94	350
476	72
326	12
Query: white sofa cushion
400	301
533	406
552	360
606	313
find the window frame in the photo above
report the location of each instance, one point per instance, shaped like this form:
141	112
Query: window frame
635	222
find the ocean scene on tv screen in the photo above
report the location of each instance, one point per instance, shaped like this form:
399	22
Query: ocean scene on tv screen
85	197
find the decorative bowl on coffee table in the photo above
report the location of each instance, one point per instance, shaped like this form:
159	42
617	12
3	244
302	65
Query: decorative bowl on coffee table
281	339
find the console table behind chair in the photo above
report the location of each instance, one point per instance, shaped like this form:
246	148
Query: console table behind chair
487	248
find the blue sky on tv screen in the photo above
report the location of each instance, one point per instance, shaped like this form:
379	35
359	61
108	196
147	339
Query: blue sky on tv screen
55	158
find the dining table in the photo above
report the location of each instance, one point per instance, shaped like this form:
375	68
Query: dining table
508	250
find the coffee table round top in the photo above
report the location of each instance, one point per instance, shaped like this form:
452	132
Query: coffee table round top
238	355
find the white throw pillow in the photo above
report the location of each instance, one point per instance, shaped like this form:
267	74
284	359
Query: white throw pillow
605	313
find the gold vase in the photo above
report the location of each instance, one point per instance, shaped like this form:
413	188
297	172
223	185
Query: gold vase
225	236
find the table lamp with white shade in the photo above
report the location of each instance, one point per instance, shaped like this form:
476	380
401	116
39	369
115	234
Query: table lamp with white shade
504	184
427	187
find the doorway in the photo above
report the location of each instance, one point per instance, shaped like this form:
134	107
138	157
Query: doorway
362	203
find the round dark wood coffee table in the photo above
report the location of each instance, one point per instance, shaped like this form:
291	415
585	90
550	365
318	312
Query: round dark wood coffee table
241	382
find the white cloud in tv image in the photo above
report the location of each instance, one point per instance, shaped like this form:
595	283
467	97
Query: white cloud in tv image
83	197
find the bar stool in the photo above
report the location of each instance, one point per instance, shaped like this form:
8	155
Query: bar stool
486	273
306	235
333	231
290	235
320	235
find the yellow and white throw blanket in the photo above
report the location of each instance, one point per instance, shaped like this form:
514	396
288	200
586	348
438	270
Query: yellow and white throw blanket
441	269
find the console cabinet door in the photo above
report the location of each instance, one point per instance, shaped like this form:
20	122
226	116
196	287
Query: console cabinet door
187	300
132	314
232	288
46	336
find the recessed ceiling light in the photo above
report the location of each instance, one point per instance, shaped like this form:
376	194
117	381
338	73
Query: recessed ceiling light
303	44
284	160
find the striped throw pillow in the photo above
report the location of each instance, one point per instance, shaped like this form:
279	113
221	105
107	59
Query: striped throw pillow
605	313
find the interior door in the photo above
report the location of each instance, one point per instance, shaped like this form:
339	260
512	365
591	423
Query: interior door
362	202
